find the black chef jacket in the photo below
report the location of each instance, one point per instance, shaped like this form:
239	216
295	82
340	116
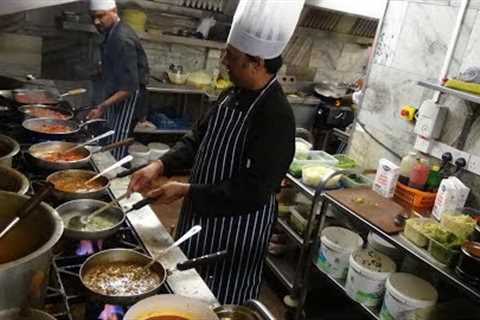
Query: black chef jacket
268	152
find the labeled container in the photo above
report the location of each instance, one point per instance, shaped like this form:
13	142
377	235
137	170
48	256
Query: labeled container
337	244
140	154
406	295
452	194
386	178
406	166
157	150
367	275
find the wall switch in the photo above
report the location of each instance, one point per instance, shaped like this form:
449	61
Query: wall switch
430	119
473	165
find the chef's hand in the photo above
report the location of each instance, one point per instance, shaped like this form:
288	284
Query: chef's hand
169	192
142	178
95	113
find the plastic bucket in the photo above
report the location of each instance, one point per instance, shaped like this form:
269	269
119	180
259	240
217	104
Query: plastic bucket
140	154
157	150
406	294
337	244
381	245
367	275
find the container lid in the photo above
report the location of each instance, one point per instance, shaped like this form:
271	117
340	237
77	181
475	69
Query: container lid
408	286
341	239
138	148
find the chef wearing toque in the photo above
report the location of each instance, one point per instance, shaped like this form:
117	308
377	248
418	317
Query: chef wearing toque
239	153
125	73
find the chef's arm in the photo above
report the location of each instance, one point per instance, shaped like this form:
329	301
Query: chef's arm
269	151
181	156
115	98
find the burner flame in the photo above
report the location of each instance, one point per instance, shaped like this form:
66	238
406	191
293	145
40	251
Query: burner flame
111	312
88	247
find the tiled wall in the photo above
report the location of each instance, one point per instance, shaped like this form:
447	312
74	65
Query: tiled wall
413	44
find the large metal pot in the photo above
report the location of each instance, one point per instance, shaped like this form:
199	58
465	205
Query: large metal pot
58	177
9	148
13	181
26	251
13	314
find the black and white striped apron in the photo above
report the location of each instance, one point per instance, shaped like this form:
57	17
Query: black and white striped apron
120	118
221	153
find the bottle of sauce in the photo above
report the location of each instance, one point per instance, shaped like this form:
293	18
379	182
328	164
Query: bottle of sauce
406	166
419	174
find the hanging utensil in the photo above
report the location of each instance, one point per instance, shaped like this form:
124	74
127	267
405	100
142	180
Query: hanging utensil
116	165
28	207
190	233
100	137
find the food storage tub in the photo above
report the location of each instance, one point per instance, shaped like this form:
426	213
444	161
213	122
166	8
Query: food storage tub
337	244
367	274
301	148
344	162
314	175
406	295
355	181
379	244
140	154
443	254
297	222
458	223
413	231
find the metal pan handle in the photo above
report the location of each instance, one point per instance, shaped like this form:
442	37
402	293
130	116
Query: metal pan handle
117	144
86	123
206	259
261	309
128	172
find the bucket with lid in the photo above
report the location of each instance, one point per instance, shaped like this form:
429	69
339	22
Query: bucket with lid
140	153
337	244
407	294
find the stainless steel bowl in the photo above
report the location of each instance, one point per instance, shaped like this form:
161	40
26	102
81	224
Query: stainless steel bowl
13	181
9	148
13	314
84	207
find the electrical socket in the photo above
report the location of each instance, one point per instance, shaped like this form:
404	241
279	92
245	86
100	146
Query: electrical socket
440	148
473	164
423	144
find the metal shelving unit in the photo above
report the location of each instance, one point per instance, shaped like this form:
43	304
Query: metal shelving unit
475	98
282	269
298	240
372	312
400	242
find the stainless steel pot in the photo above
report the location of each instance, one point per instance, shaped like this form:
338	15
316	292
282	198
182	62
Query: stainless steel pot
13	314
26	251
13	181
84	175
9	148
84	207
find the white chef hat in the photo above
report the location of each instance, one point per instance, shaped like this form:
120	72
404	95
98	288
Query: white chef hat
262	28
102	5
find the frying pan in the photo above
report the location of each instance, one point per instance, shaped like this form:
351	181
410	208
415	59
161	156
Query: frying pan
36	150
86	206
35	125
170	304
84	175
132	256
33	96
28	111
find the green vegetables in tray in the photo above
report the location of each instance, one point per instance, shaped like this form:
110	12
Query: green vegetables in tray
345	162
296	169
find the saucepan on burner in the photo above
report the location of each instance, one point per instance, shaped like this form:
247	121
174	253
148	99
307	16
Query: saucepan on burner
13	181
41	96
51	155
45	111
9	148
15	314
117	276
56	129
170	307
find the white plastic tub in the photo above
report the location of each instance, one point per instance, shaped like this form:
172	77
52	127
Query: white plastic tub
367	275
337	244
157	150
140	154
406	294
379	244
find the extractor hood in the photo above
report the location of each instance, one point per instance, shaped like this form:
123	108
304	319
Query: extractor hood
13	6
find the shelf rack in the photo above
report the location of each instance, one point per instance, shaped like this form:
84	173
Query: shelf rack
475	98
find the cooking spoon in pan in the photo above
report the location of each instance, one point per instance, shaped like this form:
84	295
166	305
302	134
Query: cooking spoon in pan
104	135
116	165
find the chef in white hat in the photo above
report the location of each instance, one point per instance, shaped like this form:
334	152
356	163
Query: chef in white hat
239	153
125	73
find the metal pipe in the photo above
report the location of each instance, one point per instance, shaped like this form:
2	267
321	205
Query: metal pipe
452	46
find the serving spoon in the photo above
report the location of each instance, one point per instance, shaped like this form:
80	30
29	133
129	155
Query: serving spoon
116	165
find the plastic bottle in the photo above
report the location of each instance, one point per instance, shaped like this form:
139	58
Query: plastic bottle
406	166
434	178
419	174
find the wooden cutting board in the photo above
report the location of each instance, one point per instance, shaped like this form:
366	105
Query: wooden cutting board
367	204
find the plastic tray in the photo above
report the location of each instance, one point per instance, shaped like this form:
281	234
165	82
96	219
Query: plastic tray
443	254
348	182
342	157
413	198
414	235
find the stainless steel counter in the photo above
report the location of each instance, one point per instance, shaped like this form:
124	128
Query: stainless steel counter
155	237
